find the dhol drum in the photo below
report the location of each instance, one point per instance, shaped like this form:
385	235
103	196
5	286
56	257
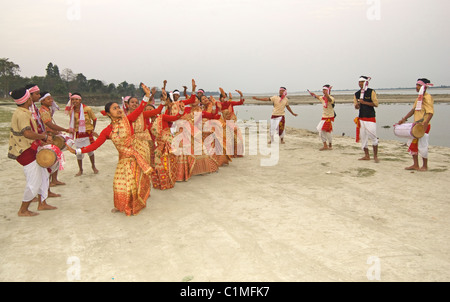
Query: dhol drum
60	141
46	158
409	130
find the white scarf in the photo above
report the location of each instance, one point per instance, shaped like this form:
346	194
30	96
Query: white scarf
81	120
421	93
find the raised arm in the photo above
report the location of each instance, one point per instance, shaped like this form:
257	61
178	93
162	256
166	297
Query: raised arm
135	114
150	113
241	100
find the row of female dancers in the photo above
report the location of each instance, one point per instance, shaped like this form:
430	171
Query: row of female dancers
144	137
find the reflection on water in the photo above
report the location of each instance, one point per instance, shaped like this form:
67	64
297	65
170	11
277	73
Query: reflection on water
387	115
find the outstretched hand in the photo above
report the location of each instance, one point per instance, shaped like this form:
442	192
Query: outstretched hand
71	150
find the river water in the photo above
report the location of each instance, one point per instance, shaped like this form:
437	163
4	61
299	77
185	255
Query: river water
387	115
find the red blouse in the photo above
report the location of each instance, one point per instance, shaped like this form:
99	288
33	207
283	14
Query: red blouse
230	104
104	135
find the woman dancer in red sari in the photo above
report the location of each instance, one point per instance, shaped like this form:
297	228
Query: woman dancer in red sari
131	183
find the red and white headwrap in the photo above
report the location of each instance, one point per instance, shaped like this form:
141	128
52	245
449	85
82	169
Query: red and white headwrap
365	86
69	105
421	93
23	99
284	94
34	89
327	88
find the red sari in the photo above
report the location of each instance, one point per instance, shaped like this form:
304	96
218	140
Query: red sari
192	164
131	185
229	115
164	174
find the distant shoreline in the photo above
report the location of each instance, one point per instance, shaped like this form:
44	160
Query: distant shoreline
293	99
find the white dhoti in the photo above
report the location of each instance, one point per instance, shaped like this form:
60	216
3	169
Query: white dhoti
368	132
37	182
80	143
422	145
324	135
275	127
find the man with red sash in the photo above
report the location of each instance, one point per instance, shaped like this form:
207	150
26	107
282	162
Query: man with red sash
325	126
423	112
278	120
23	145
365	100
82	124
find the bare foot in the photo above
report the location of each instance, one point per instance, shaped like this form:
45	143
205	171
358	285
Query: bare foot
423	169
95	170
27	213
365	158
114	210
57	183
324	148
79	173
412	168
51	194
376	160
44	207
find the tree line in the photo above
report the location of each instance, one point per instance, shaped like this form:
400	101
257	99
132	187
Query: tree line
59	83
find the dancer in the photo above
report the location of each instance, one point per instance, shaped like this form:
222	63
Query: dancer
82	122
164	174
230	119
131	183
278	120
214	141
140	126
191	160
325	126
423	112
24	142
365	100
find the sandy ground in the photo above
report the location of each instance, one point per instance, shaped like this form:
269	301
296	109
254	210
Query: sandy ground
315	216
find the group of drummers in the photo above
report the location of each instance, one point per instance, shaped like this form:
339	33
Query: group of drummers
144	133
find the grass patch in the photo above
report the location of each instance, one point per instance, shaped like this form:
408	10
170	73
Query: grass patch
365	172
392	159
438	170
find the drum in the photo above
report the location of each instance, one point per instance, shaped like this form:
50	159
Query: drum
409	130
418	130
59	142
46	158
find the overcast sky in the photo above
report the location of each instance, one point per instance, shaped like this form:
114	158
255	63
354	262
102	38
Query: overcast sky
252	45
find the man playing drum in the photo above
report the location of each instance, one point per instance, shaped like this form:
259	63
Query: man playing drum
423	112
23	145
46	111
